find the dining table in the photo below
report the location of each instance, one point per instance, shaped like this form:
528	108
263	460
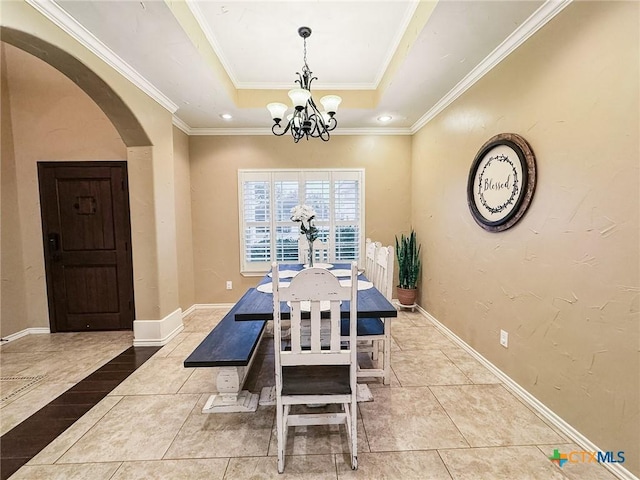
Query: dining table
257	303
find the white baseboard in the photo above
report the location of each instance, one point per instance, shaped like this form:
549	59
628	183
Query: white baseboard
156	333
146	333
26	331
206	306
617	469
189	310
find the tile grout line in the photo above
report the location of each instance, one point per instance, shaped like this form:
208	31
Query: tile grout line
10	463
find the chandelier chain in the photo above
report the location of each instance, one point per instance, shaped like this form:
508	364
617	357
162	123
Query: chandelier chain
305	67
305	52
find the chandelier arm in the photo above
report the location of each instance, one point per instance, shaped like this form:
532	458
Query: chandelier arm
322	131
313	105
333	123
297	122
316	112
319	120
316	128
310	79
273	129
296	132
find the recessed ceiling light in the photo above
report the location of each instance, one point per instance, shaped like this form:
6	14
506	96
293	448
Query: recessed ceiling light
384	118
226	116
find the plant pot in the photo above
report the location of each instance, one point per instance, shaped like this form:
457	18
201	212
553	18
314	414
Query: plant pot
407	296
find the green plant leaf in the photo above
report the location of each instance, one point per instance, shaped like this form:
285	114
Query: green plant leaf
408	254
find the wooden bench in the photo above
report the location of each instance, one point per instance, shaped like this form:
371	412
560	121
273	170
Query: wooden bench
230	346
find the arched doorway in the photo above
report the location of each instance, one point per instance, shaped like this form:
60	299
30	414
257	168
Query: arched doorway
84	287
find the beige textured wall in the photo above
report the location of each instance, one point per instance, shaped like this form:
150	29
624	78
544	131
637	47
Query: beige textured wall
183	218
215	161
151	171
13	301
50	119
564	281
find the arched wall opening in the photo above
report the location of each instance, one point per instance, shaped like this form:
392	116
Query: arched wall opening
121	116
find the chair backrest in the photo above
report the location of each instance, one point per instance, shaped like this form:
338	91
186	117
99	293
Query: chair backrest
370	257
314	290
383	271
320	250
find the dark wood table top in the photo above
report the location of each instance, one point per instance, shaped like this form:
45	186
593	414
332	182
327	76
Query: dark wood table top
255	305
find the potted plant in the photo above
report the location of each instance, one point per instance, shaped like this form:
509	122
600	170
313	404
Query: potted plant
408	253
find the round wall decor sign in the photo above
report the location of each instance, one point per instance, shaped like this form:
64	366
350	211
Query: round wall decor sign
501	182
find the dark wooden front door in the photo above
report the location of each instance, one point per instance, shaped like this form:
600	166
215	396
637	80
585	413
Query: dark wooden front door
87	245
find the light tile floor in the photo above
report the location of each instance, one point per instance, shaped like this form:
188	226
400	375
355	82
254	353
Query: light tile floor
444	416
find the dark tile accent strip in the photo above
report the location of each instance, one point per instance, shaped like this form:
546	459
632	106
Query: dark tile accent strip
25	440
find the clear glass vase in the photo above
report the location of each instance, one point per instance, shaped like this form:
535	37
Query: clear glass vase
310	262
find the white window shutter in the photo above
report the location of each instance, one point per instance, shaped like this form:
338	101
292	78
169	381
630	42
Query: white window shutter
266	229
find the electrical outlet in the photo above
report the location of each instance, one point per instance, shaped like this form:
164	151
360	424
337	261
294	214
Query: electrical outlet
229	284
504	339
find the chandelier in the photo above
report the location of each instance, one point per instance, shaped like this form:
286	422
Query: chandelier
306	120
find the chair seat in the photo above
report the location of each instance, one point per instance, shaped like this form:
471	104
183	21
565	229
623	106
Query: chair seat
316	380
365	327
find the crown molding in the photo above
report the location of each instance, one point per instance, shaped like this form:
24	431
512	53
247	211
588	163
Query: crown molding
204	26
372	131
530	26
411	11
230	131
267	131
179	123
68	24
316	86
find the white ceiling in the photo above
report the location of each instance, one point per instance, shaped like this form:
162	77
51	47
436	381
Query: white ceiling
174	51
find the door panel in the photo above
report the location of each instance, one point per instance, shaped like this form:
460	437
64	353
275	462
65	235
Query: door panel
87	238
94	288
92	227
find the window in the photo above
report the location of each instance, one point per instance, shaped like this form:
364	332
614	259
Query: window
266	198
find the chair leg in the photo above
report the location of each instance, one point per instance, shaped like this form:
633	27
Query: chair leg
285	422
281	435
354	434
386	352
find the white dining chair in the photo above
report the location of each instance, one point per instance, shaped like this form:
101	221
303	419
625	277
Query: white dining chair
307	369
374	334
320	250
383	271
370	257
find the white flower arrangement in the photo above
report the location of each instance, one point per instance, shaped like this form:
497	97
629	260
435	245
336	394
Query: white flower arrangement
305	215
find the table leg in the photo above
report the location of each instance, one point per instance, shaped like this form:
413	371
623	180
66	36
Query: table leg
229	397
